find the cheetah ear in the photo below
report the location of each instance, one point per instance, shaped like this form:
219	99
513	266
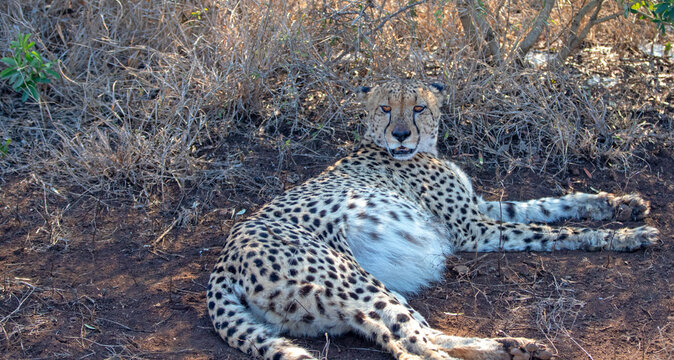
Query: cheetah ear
362	93
440	91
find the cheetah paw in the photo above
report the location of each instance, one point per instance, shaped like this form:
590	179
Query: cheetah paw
523	349
494	349
635	239
629	207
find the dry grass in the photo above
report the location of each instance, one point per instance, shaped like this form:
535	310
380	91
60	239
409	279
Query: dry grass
159	99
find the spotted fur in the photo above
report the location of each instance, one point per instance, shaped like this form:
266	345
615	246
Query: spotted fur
339	252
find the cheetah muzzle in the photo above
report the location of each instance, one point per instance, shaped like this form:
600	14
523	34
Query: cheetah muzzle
402	151
340	252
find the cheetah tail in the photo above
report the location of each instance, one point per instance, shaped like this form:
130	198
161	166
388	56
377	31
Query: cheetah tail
236	324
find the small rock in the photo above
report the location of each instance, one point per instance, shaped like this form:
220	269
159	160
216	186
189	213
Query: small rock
603	81
461	269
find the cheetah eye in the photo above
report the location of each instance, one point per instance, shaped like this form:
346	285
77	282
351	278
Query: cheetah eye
386	109
419	108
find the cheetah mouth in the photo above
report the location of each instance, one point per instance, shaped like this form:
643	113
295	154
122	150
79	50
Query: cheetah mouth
401	151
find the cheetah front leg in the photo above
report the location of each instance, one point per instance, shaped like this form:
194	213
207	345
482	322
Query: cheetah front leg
495	348
400	330
396	329
602	206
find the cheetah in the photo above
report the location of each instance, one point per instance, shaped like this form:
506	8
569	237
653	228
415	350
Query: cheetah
340	252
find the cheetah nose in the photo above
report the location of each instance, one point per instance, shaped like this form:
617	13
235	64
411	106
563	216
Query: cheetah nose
401	133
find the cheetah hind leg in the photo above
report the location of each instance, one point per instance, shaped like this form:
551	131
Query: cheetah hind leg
601	206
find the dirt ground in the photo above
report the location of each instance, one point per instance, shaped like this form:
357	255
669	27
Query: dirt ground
95	280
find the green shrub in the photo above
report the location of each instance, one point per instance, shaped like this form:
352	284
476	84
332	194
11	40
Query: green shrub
661	13
4	147
26	68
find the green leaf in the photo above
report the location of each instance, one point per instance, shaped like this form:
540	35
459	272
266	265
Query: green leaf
660	8
13	76
53	73
24	96
33	91
36	55
4	148
9	61
8	72
18	81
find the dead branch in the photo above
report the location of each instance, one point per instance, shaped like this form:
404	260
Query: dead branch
575	37
477	28
391	16
536	28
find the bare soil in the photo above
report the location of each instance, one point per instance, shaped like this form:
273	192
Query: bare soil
90	279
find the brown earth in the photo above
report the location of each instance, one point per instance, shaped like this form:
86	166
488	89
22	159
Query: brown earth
82	278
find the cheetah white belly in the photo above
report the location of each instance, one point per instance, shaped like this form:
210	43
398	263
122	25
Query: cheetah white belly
396	241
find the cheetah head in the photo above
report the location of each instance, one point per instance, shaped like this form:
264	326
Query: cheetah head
403	116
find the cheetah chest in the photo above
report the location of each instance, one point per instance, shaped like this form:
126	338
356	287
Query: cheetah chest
396	240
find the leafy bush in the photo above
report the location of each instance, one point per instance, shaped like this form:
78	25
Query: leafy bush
660	13
26	68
